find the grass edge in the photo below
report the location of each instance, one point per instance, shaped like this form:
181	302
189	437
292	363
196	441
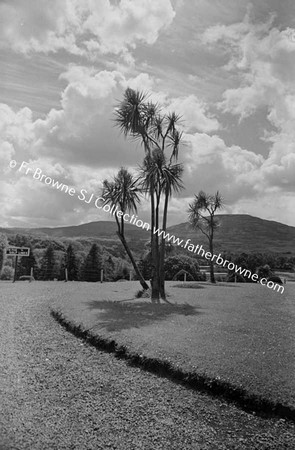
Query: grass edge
214	387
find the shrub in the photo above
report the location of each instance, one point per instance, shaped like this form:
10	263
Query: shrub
7	273
275	279
3	245
264	271
220	278
174	264
201	276
143	293
121	270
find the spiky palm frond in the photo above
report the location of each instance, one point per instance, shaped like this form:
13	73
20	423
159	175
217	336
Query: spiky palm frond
151	112
162	176
172	119
130	114
150	172
171	178
123	191
218	201
129	190
204	204
142	120
158	126
174	142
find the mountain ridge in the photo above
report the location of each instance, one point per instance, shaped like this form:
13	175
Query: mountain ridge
237	233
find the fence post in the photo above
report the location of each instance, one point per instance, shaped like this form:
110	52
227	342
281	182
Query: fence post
15	268
101	275
66	275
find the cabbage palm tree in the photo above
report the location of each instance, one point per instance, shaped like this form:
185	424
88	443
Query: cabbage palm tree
202	217
123	192
141	120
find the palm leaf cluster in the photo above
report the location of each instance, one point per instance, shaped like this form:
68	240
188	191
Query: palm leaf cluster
142	119
122	191
156	172
202	210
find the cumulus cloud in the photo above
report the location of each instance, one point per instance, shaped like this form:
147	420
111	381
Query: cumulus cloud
82	131
86	28
211	164
263	58
194	114
16	134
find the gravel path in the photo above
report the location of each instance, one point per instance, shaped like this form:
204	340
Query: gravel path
57	393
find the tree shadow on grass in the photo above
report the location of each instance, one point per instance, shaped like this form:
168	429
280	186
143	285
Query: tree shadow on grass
117	316
204	286
188	286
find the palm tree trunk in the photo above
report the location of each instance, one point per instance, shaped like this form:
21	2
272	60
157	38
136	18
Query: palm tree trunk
162	250
154	249
212	276
133	262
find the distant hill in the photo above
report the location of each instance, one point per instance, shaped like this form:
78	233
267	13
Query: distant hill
237	233
101	229
243	233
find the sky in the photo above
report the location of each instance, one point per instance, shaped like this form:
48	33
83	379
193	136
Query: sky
226	66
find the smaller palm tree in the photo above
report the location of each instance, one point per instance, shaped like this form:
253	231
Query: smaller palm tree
202	217
123	191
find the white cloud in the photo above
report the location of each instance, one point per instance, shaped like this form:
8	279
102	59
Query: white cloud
262	56
87	28
212	166
194	114
82	131
16	133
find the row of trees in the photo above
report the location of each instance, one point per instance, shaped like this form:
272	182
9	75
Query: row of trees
50	266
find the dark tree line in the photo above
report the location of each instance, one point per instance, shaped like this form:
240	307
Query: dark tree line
53	265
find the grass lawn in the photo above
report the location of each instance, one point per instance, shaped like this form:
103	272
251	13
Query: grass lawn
242	334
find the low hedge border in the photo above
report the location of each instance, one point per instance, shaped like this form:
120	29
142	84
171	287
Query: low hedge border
201	383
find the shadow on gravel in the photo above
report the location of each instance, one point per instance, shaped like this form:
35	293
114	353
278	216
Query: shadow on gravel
116	316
